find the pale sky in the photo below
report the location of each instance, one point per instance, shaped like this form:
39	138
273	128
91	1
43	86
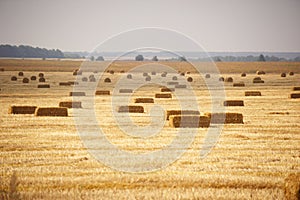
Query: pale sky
217	25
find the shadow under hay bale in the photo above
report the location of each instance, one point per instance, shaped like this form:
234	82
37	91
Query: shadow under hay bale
129	76
243	75
42	80
107	80
252	93
13	78
144	100
25	80
181	112
148	78
295	95
260	72
33	78
229	79
51	111
226	118
167	89
102	92
131	109
21	74
221	79
22	110
292	186
174	78
258	80
43	86
283	75
84	79
163	95
77	94
172	83
64	84
125	91
240	84
180	86
207	75
233	103
291	73
189	121
296	88
41	75
70	104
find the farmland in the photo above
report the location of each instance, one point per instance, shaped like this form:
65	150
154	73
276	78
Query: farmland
259	159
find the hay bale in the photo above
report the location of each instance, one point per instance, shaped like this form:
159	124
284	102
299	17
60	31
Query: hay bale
153	73
180	86
84	79
51	111
189	121
21	74
207	75
122	71
33	78
181	112
174	78
243	74
21	110
260	72
129	76
144	100
42	80
167	89
221	79
148	78
229	79
111	71
163	95
283	75
189	79
41	75
291	73
70	104
131	109
92	79
182	74
91	76
172	83
64	84
252	93
1	69
43	86
240	84
13	78
296	88
292	186
226	118
233	103
73	82
125	91
295	95
188	72
258	81
102	92
77	94
77	72
145	74
164	74
25	80
107	80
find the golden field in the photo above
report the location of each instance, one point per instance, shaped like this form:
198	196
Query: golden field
259	159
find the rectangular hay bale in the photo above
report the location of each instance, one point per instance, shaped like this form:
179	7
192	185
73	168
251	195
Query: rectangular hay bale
43	86
144	100
241	84
233	103
131	109
189	121
125	91
226	118
73	82
172	83
102	92
181	112
64	84
295	95
21	110
180	86
163	95
51	111
167	89
296	88
252	93
70	104
77	94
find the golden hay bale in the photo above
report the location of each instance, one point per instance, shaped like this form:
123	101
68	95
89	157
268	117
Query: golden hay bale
153	73
258	81
43	86
229	79
167	89
145	74
174	78
233	103
25	80
148	78
73	82
122	71
243	74
51	111
207	75
187	72
189	121
21	74
240	84
260	72
164	74
107	80
70	104
144	100
131	109
125	91
292	186
189	79
64	84
180	86
221	79
283	75
252	93
111	72
77	94
33	78
41	75
102	92
291	73
22	110
296	88
163	95
226	118
295	95
84	79
182	74
181	112
172	83
13	78
42	80
129	76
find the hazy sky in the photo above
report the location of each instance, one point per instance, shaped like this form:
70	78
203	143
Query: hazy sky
218	25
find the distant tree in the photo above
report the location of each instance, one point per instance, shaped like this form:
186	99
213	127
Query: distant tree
100	58
155	58
217	59
92	58
261	58
139	58
182	59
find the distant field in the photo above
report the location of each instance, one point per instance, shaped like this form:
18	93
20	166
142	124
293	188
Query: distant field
259	159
